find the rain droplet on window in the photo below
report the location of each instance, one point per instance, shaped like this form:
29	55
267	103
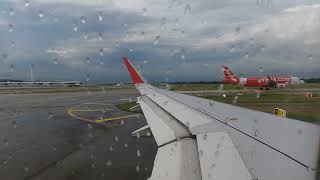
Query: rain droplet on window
83	19
156	40
50	115
204	136
137	168
101	53
11	68
138	153
144	11
100	36
41	14
26	169
5	142
109	163
246	55
90	126
258	94
111	148
11	12
221	87
116	139
93	166
87	78
237	30
11	27
26	3
14	124
138	135
85	36
75	27
261	69
187	9
55	61
310	57
100	16
235	99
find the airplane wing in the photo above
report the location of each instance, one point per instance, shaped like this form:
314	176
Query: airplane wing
204	139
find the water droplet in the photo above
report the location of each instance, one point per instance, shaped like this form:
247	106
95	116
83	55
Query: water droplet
224	95
11	12
75	27
11	68
246	55
299	131
221	87
50	115
138	135
87	78
55	61
41	14
126	145
109	163
83	19
90	126
188	124
237	29
156	40
14	124
235	99
11	27
85	36
144	11
261	69
88	61
138	153
216	153
116	139
93	166
201	153
26	169
111	148
258	94
187	9
100	36
100	16
137	168
310	57
26	3
101	53
204	136
232	49
122	122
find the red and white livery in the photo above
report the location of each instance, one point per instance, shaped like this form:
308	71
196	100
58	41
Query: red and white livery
265	81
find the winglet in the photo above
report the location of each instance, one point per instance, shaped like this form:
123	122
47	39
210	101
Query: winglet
135	76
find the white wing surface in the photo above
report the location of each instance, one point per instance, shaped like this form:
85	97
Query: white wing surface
205	139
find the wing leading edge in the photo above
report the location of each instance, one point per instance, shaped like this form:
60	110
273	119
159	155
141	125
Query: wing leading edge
206	139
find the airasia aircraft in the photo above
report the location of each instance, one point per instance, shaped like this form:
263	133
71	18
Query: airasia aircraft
265	81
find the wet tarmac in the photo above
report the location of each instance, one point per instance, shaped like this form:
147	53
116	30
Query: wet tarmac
40	140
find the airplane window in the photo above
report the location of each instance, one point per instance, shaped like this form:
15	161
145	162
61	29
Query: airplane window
70	110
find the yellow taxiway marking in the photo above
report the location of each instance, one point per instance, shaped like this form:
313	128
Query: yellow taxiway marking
71	110
90	110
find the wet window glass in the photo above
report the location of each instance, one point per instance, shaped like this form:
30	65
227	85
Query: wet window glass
70	110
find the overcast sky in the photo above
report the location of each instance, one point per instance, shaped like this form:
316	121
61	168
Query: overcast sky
169	40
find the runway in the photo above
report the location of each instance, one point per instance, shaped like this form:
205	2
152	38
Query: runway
45	136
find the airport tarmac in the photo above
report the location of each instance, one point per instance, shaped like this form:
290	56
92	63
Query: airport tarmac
41	140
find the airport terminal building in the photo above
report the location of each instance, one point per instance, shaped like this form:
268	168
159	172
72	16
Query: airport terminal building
11	83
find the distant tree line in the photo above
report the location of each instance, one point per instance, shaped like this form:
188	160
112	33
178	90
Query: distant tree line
312	80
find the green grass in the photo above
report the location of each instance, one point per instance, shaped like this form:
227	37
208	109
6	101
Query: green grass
297	106
126	106
42	90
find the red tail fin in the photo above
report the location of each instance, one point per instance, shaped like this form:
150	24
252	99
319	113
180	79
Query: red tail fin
135	76
229	77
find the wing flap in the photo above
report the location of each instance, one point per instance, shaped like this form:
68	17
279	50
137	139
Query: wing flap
177	161
219	158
